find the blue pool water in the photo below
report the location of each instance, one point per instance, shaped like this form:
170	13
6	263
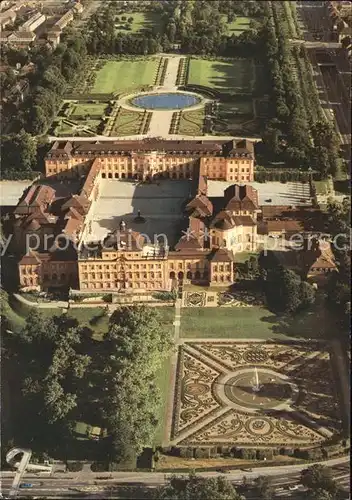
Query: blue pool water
165	101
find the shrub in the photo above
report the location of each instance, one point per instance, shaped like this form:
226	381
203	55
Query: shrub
107	297
264	454
202	453
99	467
186	452
74	466
246	453
164	296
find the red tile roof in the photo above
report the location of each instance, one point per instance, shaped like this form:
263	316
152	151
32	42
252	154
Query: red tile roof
200	204
241	198
286	226
225	220
221	255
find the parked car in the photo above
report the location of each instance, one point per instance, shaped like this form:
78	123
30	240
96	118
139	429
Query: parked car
245	469
223	470
26	485
293	487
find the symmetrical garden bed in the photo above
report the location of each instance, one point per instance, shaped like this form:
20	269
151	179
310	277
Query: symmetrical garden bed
215	404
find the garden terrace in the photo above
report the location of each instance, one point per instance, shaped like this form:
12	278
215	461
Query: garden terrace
225	76
122	75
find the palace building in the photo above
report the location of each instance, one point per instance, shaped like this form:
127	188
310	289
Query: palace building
151	158
152	215
81	229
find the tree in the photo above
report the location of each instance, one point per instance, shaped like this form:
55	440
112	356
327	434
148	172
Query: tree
263	487
197	488
39	120
18	154
171	31
285	291
137	343
319	494
307	295
319	477
74	466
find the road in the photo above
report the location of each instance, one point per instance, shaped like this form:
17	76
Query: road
103	138
77	484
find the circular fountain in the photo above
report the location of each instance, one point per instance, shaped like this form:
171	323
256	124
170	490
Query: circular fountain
254	389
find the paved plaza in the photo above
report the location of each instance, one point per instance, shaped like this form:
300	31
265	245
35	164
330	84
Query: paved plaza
160	204
270	193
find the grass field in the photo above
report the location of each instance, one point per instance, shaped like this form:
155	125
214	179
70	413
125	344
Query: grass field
224	76
121	75
191	122
255	322
141	20
127	123
163	382
239	25
88	109
325	187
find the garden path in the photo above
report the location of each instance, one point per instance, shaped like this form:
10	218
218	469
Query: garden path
161	120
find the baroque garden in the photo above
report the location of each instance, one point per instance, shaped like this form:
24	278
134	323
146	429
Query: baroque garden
241	375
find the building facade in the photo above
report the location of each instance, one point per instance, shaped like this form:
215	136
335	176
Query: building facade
221	160
123	261
33	22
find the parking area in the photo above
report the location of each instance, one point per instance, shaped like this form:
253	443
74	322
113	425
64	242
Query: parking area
160	205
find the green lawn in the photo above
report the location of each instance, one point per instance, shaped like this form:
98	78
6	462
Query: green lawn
87	316
167	315
224	76
88	109
141	20
121	75
255	322
163	382
239	25
191	122
325	187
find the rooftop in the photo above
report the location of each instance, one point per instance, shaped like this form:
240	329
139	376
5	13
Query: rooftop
150	145
270	193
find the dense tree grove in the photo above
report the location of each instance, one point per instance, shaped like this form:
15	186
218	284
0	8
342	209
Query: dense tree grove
198	27
339	289
296	115
285	291
197	488
18	153
65	378
136	344
320	483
